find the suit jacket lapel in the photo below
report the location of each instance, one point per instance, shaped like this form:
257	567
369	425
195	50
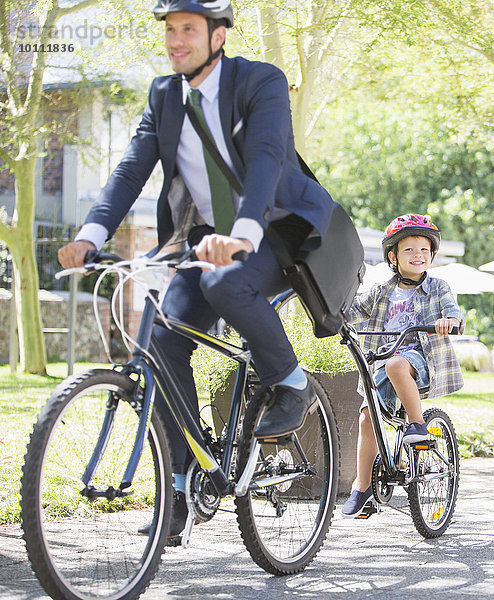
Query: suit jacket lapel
226	97
171	125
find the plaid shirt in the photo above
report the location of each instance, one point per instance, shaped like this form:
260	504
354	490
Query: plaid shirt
432	300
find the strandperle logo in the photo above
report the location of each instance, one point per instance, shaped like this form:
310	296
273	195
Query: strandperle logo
85	31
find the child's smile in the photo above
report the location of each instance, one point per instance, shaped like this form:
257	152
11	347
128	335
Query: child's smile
413	256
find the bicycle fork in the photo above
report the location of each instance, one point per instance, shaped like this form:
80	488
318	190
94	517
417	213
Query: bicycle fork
144	408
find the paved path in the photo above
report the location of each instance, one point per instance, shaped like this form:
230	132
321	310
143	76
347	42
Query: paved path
383	557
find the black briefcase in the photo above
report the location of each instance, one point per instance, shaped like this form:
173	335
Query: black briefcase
326	279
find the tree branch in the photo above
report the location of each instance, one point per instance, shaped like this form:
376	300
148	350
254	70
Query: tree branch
4	156
270	36
66	10
36	82
7	49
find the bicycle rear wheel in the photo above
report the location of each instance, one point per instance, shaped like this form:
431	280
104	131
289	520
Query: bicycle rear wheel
82	548
433	496
283	526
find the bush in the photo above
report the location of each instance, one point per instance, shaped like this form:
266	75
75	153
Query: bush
473	356
477	443
327	355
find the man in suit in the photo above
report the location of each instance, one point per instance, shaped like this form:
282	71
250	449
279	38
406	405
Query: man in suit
246	107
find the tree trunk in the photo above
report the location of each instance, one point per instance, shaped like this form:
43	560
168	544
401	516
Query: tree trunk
270	36
31	341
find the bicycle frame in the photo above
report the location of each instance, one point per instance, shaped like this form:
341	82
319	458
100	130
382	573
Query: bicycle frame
377	409
351	340
147	362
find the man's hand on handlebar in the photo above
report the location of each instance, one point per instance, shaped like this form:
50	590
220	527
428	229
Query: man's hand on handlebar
219	249
445	325
72	255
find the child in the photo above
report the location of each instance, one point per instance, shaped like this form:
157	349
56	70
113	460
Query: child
424	365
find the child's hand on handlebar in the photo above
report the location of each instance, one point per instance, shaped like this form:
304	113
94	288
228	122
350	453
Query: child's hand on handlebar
72	255
219	249
445	325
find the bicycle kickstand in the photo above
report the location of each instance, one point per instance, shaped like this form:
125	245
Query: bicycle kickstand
186	535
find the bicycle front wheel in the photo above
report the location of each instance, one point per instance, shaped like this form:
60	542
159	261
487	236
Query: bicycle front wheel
284	525
433	495
82	548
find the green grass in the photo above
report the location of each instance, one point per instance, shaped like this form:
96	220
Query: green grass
22	396
21	399
472	412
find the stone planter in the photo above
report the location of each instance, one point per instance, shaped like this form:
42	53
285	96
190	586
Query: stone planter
342	391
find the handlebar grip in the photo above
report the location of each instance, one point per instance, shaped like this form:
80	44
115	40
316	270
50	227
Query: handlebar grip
432	329
241	255
90	256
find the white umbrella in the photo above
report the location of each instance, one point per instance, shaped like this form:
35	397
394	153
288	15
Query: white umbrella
463	279
375	274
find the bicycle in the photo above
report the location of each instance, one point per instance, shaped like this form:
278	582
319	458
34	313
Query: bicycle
429	471
98	464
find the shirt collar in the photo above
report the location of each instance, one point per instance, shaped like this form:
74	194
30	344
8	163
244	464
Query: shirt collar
209	88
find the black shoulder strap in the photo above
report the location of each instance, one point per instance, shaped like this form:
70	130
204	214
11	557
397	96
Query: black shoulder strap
305	168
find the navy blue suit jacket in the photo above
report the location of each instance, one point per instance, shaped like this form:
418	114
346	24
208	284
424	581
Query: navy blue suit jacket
255	116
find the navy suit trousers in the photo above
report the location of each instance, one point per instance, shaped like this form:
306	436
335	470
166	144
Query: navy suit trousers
238	293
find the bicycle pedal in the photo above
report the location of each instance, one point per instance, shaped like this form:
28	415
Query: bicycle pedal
285	439
369	509
425	445
174	542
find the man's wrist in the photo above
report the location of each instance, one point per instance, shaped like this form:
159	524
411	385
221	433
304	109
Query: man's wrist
249	245
86	242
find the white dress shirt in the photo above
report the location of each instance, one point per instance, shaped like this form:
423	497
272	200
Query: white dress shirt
192	167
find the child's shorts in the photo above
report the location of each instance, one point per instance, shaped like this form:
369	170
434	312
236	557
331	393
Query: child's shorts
387	391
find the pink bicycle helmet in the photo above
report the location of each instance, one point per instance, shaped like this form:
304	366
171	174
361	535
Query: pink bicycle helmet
407	225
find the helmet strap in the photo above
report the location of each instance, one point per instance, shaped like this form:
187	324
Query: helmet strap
408	281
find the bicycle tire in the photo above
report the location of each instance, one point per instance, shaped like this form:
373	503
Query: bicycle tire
432	502
88	549
284	527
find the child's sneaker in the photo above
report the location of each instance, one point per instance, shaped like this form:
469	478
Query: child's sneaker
354	506
416	432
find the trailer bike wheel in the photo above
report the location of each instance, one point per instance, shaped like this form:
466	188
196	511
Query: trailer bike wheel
433	495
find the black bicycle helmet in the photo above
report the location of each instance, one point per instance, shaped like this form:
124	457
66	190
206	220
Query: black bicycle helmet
211	9
216	13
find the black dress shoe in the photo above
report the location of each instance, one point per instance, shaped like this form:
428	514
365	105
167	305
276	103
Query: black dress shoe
287	411
179	518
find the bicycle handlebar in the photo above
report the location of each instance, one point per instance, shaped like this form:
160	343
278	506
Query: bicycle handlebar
373	356
173	259
416	328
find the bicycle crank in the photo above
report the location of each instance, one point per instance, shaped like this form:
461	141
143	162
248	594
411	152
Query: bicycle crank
201	496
